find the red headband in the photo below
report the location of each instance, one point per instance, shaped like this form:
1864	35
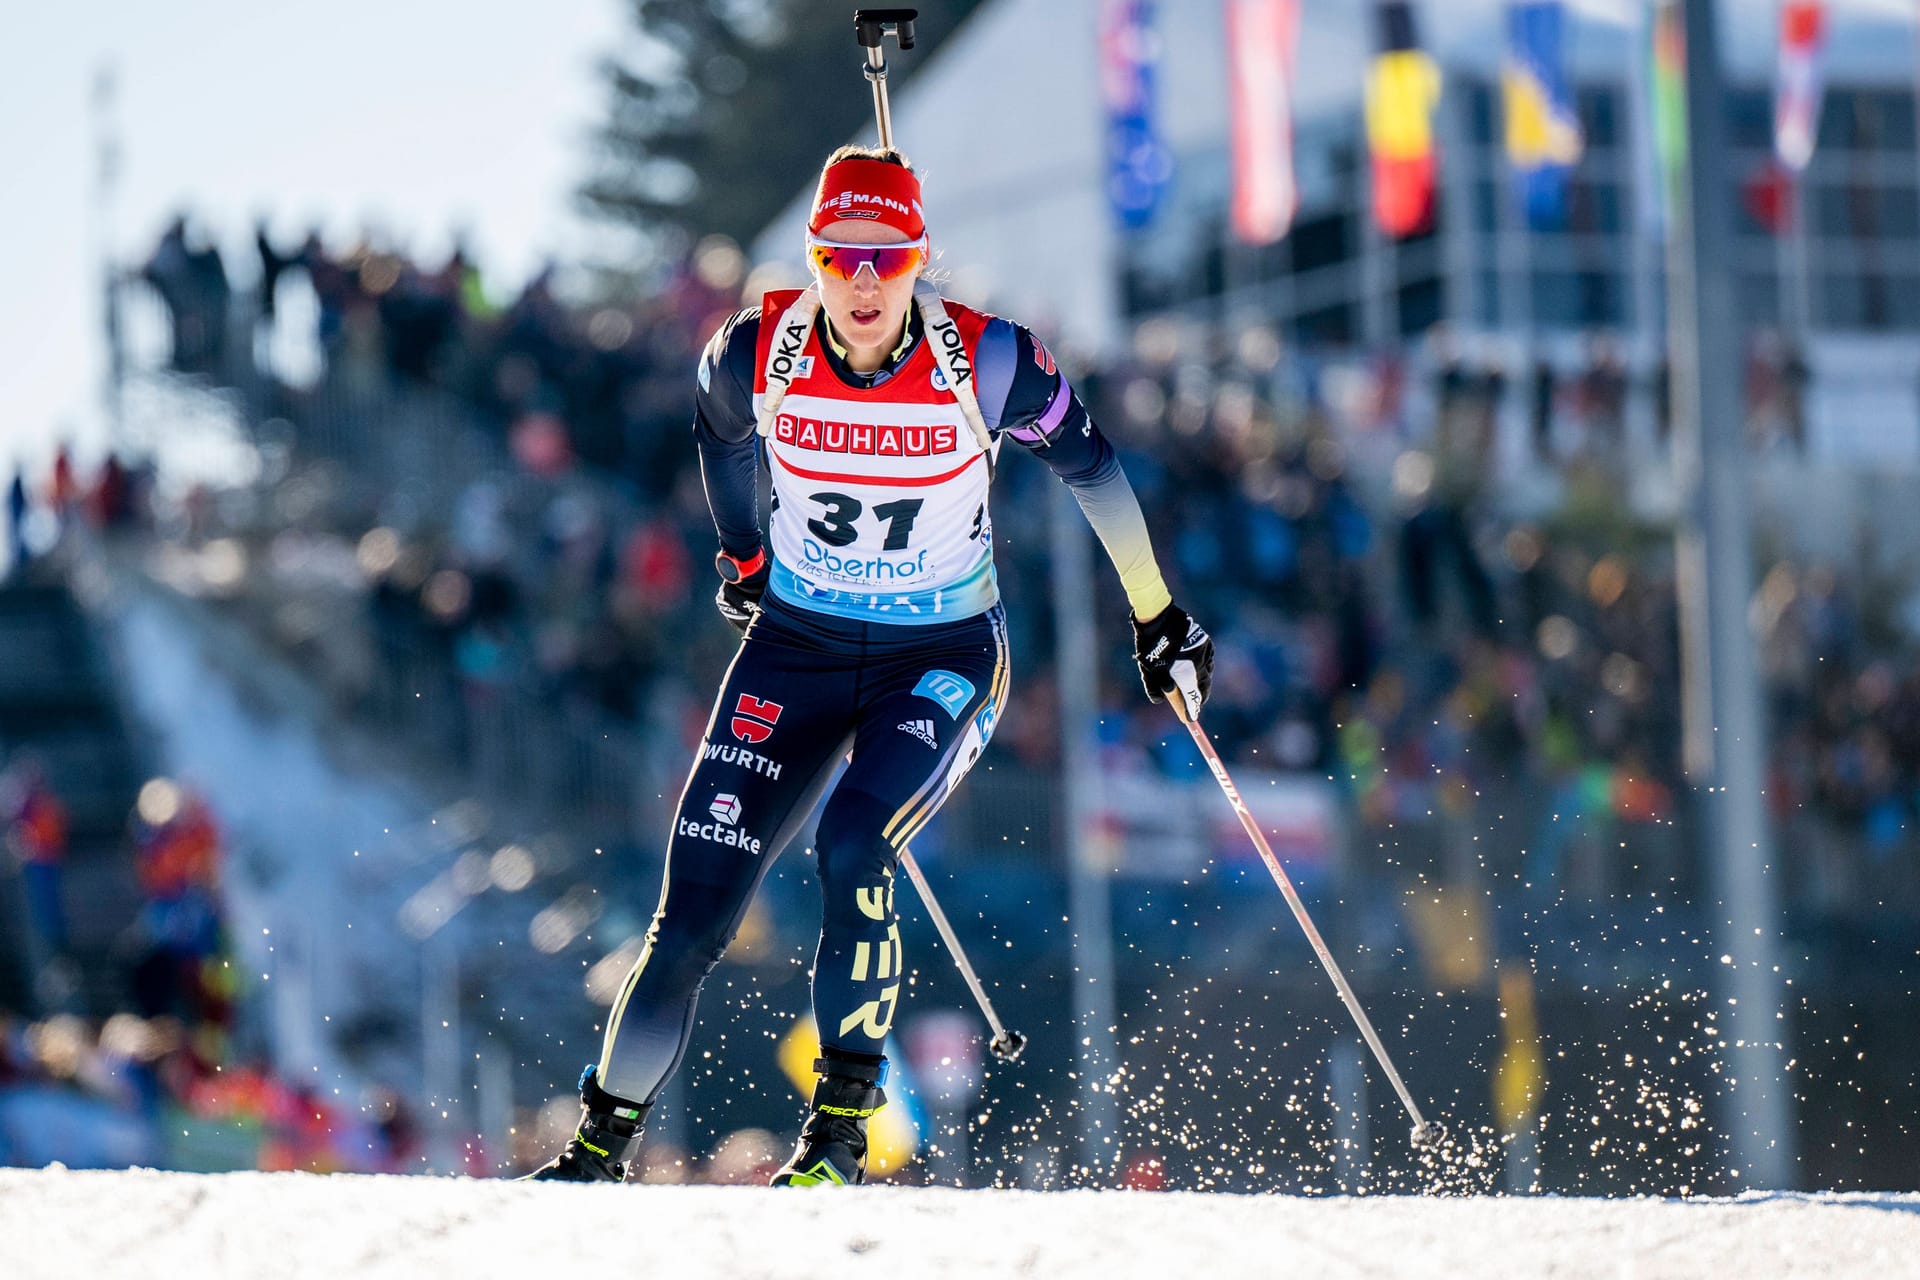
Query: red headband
872	191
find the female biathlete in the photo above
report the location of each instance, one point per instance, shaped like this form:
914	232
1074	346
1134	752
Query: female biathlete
872	625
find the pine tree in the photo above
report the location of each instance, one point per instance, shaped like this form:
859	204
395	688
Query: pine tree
723	110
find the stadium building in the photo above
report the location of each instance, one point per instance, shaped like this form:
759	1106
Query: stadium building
1016	181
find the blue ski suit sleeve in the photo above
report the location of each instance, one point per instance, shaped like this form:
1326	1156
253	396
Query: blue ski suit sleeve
1025	398
723	430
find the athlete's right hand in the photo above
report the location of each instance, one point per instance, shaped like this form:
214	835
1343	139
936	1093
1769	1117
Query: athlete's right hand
739	602
1175	656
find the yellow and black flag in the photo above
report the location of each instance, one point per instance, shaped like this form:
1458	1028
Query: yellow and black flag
1402	88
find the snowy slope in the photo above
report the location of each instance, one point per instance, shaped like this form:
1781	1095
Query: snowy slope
56	1223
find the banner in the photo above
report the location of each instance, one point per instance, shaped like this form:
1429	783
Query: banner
1796	97
1261	38
1402	87
1151	827
1543	128
1138	163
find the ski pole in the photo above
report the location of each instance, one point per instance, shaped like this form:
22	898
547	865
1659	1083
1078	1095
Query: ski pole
871	27
1006	1044
1426	1133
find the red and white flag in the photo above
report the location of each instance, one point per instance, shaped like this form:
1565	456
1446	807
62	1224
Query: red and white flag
1261	38
1796	100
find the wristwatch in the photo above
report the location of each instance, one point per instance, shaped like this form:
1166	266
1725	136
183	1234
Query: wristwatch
734	570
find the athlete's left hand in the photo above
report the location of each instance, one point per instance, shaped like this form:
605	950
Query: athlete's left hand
739	602
1175	654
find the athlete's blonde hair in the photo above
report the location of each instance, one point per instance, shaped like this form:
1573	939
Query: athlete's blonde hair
855	151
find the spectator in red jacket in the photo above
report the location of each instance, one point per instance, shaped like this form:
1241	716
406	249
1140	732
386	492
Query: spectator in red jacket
36	833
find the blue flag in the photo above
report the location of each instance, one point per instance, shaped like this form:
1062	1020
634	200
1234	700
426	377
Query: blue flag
1543	127
1138	163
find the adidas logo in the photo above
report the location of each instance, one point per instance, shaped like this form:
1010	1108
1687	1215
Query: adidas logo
923	730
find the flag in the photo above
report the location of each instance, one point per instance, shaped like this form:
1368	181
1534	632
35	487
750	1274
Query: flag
1261	38
1543	129
1643	153
1402	88
1796	96
1669	84
1138	163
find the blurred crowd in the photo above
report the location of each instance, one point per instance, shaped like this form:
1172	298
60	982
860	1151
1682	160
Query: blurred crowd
383	320
1383	619
1579	411
159	1081
130	1090
112	498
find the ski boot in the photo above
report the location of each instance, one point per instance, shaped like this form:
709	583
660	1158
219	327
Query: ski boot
833	1145
597	1152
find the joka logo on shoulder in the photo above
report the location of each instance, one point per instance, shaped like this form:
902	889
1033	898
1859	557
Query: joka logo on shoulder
952	692
754	718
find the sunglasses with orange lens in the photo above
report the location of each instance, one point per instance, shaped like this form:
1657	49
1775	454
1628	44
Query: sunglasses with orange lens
886	261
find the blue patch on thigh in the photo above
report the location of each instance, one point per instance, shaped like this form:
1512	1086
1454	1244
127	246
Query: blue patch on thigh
951	691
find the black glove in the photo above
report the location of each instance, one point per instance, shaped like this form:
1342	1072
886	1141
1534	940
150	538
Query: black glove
739	602
1174	652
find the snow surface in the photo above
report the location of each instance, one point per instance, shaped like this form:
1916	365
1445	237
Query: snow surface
141	1223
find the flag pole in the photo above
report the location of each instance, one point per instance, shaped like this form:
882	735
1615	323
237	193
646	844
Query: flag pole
1724	721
